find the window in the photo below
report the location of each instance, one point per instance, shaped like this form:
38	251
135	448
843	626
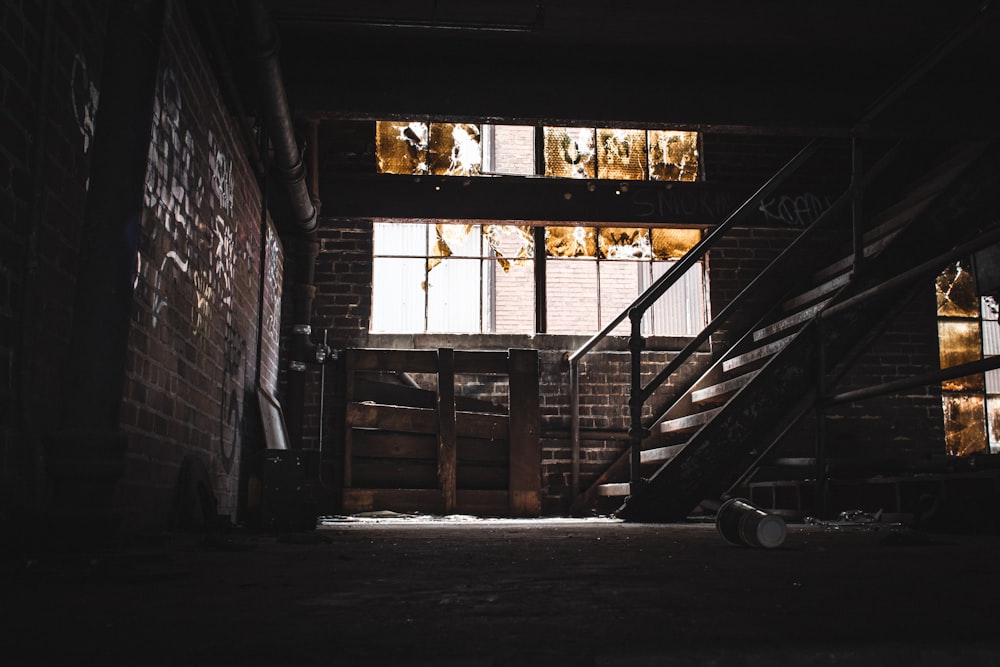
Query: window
968	329
471	278
481	278
464	149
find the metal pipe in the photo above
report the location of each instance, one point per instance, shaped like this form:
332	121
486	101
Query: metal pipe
279	118
932	377
923	270
574	427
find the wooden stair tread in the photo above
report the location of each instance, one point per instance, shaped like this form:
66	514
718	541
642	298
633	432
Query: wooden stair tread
793	320
756	354
722	388
688	421
660	454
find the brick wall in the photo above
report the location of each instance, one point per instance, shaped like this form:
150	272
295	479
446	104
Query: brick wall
49	91
909	342
193	362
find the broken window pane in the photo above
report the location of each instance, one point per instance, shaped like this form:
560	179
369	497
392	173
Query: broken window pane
512	244
965	424
621	154
569	152
454	150
673	155
570	242
624	243
674	243
446	240
956	292
509	149
959	343
401	147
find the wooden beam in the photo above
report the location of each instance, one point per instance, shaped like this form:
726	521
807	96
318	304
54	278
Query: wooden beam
525	441
446	427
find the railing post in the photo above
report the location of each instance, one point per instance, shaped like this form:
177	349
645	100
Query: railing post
574	426
636	432
821	391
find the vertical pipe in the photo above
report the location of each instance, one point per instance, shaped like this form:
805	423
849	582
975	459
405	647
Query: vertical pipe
541	312
574	426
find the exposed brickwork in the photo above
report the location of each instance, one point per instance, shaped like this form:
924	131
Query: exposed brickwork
191	391
49	89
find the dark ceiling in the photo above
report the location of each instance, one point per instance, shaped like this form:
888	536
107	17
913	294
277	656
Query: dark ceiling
771	67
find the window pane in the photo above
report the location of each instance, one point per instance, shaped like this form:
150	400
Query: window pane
964	424
571	296
621	154
956	292
514	297
674	243
409	240
514	149
681	311
400	147
960	343
619	287
673	156
624	243
569	152
455	150
453	297
570	242
397	295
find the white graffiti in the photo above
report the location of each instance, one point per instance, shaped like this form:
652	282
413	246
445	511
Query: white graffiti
85	97
222	174
794	211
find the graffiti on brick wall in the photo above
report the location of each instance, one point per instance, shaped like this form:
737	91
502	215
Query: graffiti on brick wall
200	253
794	211
221	166
84	97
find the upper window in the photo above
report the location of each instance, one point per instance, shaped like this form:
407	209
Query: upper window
464	149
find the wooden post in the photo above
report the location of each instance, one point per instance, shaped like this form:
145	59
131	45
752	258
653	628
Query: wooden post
524	492
447	459
349	359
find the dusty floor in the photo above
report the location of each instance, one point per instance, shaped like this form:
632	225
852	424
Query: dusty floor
455	591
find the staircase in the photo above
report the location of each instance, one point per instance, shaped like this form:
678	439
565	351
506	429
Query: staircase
725	424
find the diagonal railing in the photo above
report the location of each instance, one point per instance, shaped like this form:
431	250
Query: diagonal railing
637	309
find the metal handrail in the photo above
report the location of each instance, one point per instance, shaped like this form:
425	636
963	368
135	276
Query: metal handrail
637	309
658	288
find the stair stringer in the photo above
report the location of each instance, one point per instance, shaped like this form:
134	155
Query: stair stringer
717	454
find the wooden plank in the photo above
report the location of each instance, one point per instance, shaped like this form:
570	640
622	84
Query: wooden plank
419	361
446	427
480	425
426	501
485	362
393	394
394	473
390	444
525	441
479	476
391	418
488	503
474	450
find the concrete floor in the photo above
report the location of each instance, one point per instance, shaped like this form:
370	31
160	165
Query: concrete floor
457	591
